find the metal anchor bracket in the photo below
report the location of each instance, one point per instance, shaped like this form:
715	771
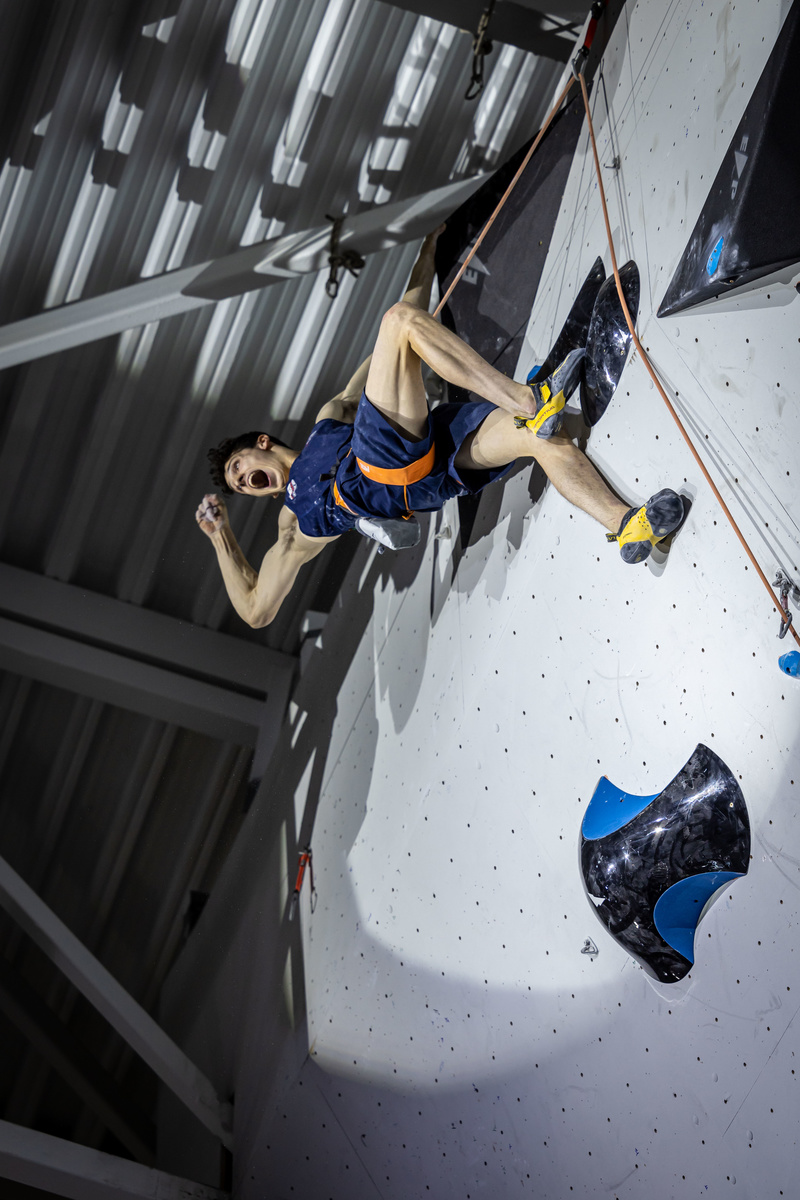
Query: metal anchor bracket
481	46
788	589
338	259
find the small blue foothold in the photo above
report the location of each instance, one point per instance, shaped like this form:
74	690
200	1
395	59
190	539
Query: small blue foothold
714	257
790	663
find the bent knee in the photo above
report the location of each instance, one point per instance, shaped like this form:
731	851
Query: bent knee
399	320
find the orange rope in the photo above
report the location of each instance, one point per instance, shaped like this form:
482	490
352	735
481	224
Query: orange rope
642	352
504	197
656	381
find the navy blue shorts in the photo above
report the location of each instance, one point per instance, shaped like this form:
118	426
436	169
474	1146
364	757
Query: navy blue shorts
377	443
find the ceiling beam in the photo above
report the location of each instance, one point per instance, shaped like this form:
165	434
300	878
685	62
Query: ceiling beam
37	1022
245	270
80	1173
139	687
141	660
545	29
139	632
118	1007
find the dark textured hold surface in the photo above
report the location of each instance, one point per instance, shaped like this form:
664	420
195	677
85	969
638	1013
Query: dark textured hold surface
608	342
698	824
575	330
753	203
491	306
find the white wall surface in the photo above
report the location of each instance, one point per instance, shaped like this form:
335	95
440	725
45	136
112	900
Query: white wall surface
449	732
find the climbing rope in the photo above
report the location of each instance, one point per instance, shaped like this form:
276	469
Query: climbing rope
578	65
784	614
503	199
597	12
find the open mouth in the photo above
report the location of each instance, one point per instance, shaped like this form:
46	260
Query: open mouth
258	480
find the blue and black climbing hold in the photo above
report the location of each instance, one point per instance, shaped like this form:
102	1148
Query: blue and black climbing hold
575	330
491	307
650	864
608	342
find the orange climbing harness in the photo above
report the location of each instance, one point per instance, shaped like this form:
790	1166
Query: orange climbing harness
338	498
400	476
394	476
578	66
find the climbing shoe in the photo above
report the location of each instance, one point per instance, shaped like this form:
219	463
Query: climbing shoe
551	395
642	528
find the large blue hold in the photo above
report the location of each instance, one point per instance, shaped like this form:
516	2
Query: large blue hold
651	864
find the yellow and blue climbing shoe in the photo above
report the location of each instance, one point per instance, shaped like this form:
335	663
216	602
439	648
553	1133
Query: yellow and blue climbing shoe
642	528
552	394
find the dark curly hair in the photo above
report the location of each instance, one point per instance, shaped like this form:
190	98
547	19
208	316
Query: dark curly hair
219	455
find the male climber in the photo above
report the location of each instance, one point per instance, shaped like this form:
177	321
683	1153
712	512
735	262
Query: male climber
376	451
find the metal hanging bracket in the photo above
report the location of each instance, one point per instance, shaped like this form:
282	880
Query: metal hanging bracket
481	46
788	588
340	260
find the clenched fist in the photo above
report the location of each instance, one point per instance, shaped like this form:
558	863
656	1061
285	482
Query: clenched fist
212	513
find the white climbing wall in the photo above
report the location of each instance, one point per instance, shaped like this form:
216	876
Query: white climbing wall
450	728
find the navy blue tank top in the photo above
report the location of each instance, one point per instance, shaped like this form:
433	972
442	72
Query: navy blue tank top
309	491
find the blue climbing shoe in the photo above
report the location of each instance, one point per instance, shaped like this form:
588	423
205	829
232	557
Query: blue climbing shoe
642	528
552	394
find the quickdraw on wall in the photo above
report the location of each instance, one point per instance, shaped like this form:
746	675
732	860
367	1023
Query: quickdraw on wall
304	860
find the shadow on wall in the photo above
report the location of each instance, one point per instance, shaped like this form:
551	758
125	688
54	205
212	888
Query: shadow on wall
245	959
628	1041
245	933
